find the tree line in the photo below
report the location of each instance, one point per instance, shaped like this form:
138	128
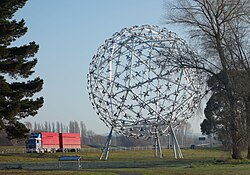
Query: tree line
89	137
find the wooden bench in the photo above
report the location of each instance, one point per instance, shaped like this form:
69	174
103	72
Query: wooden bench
69	159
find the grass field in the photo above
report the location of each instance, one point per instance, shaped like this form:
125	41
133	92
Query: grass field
129	162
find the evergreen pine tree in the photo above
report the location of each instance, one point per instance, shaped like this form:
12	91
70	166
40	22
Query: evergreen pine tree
16	67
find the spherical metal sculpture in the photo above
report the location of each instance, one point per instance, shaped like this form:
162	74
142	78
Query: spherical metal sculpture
138	85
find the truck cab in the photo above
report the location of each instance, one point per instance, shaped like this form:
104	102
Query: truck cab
34	143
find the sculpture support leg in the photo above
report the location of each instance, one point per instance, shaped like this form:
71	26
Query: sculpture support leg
158	145
106	146
176	146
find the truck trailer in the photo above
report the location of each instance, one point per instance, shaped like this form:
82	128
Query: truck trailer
53	142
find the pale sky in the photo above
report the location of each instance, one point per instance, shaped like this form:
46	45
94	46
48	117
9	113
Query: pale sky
69	33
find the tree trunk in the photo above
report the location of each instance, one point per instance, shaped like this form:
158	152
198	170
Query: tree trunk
248	151
236	148
248	126
235	133
236	153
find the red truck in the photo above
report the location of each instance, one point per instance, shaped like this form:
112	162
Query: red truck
53	141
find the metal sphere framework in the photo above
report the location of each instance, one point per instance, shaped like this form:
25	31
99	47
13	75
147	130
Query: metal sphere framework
138	85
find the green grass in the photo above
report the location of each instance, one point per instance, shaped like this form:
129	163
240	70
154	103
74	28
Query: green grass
195	162
207	169
30	172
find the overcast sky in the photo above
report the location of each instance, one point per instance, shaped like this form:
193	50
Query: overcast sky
69	33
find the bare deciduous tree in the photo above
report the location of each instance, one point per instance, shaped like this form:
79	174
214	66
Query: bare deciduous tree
220	29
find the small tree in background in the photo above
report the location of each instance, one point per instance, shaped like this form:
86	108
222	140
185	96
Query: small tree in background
217	113
16	66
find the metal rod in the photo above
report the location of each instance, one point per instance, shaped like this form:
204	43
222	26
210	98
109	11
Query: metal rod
156	149
106	146
159	145
173	145
176	144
